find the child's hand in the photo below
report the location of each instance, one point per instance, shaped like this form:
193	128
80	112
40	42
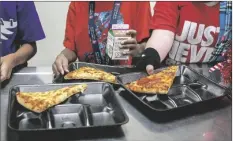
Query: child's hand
134	48
7	63
60	66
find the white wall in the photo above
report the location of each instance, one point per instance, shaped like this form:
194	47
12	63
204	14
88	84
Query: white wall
53	19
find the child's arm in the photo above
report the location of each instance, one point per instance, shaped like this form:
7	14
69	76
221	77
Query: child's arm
29	30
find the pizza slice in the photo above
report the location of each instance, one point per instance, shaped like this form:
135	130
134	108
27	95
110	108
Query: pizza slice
158	83
91	74
41	101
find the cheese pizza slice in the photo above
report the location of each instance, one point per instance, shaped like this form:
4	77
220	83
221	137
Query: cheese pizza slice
91	74
158	83
41	101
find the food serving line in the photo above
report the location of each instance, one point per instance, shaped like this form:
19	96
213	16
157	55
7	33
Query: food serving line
204	122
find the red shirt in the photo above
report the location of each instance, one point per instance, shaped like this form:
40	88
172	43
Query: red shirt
136	14
196	28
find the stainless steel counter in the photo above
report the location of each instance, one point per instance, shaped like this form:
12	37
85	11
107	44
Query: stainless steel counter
213	124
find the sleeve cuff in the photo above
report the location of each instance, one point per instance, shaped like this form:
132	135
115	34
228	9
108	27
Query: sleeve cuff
69	46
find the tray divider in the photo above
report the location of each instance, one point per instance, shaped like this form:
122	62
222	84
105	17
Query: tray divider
87	114
197	95
173	102
49	124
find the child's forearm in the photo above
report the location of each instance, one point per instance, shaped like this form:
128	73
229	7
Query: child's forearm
69	54
161	41
24	53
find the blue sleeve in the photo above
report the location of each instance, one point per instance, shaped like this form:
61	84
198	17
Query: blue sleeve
29	26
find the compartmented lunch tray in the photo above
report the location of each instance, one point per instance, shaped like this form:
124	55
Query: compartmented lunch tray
115	70
96	107
189	87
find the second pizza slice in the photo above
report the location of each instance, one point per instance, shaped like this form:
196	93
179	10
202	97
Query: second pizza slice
158	83
91	74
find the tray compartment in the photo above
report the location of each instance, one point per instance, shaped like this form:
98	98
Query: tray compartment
92	99
67	116
103	118
204	94
106	115
115	70
21	118
210	87
87	99
159	102
182	96
29	120
94	95
206	88
197	85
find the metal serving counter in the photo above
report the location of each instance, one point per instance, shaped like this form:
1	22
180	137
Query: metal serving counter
213	123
